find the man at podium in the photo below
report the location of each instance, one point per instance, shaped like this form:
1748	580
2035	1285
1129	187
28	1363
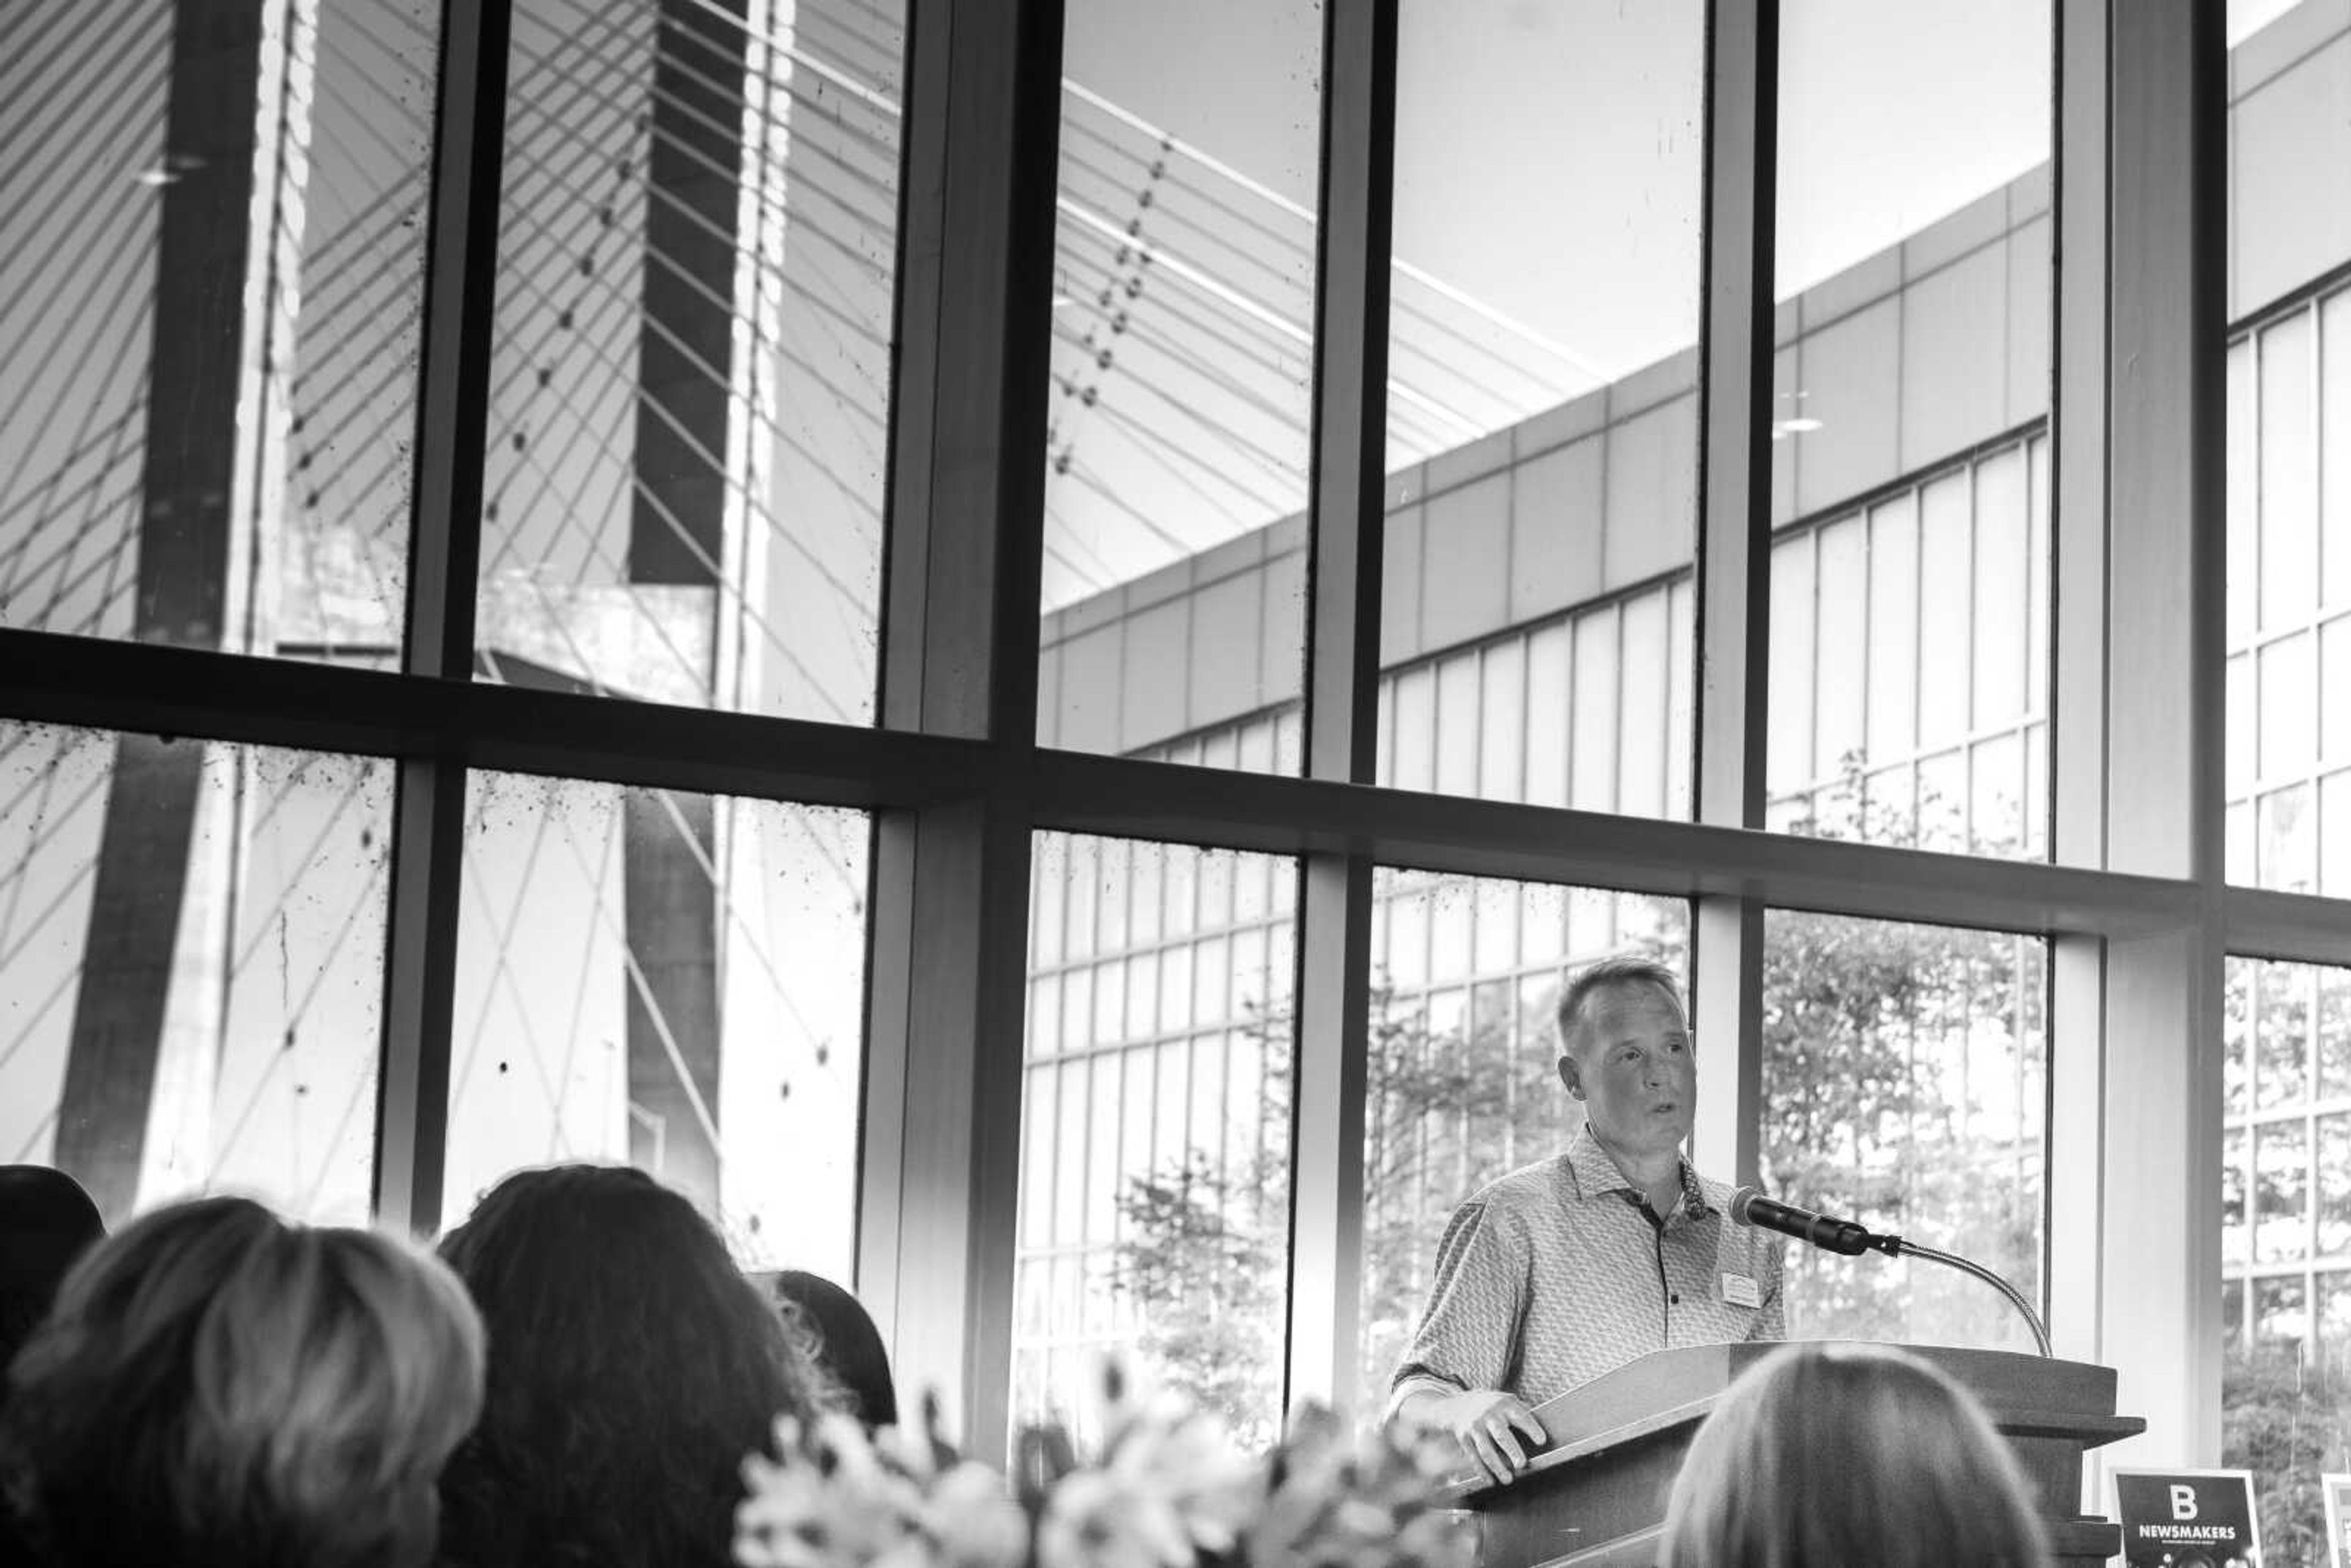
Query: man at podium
1613	1247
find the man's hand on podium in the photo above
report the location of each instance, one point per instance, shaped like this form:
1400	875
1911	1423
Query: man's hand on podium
1487	1423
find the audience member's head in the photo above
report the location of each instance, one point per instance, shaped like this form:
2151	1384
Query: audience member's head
217	1387
1830	1454
1833	1454
849	1347
47	1221
631	1369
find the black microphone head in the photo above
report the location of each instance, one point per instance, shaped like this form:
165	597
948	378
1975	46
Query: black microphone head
1740	1202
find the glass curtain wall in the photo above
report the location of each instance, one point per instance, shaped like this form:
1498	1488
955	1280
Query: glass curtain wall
2286	1177
297	897
211	444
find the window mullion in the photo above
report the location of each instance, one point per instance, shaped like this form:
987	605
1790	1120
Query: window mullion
948	916
1736	350
444	553
2142	151
1348	510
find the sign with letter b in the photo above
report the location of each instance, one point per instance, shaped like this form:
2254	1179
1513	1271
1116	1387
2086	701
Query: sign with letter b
2188	1518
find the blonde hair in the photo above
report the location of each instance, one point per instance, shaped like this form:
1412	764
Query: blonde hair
1830	1454
215	1385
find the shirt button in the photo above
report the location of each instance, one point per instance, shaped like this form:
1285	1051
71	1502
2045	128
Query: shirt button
1676	1298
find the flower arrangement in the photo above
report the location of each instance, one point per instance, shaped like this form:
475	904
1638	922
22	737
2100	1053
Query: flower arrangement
1164	1490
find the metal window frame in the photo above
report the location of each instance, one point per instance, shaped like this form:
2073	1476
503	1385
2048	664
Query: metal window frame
427	848
1347	513
2133	898
1736	356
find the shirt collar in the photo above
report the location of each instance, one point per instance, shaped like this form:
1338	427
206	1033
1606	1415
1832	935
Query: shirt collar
1595	1173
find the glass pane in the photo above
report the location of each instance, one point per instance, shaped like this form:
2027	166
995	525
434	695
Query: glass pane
2281	1191
2232	1197
2333	723
2333	1198
209	305
1155	1182
1891	663
192	968
1457	1096
2289	718
2286	846
2237	1011
1542	407
2288	473
1183	352
2281	1030
1870	616
689	394
2297	1018
2294	1375
2289	455
2281	1313
1905	1070
1913	271
2334	444
2334	1324
671	980
2333	1034
2335	811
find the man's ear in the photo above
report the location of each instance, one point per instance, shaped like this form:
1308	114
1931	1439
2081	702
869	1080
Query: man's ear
1571	1074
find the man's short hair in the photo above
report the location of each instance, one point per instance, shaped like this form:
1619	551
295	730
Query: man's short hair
1606	975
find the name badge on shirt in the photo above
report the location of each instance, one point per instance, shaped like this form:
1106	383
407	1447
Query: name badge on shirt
1740	1290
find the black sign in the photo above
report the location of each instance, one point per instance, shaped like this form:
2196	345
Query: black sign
2188	1518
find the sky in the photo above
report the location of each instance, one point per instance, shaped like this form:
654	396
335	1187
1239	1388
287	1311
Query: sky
1547	155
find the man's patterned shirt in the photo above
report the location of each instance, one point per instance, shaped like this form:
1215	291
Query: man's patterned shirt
1559	1272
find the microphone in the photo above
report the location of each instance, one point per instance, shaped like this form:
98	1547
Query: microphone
1750	1207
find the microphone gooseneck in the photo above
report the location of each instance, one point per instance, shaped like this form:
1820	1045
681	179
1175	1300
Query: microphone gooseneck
1749	1207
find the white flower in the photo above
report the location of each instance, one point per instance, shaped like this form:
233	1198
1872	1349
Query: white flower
971	1520
1168	1490
1098	1518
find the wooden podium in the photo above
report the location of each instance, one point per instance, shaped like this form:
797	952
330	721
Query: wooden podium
1595	1496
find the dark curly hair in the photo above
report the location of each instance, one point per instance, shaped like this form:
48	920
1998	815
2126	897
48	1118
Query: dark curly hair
47	1221
631	1369
847	1347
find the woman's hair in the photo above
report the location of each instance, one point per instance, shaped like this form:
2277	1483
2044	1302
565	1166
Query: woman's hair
631	1369
216	1387
848	1346
47	1221
1840	1454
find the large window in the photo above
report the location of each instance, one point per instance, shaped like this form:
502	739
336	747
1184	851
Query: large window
2286	1212
1541	400
689	397
1909	652
190	966
2289	748
212	324
1910	618
1177	440
1461	1082
668	980
643	433
1905	1084
1155	1127
2286	1151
